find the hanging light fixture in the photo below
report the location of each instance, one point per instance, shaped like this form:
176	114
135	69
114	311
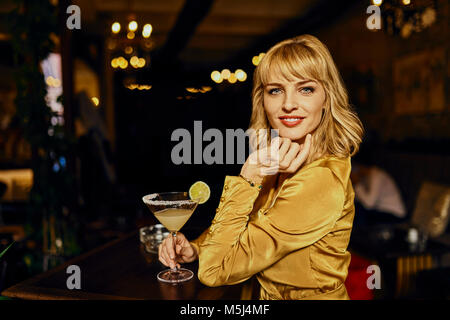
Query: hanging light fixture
404	17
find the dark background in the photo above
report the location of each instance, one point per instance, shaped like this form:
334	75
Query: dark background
193	38
190	39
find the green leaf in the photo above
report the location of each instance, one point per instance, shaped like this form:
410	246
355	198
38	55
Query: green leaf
4	251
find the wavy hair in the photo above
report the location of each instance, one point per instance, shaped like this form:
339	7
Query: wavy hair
340	131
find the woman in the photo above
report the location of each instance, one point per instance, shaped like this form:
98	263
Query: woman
290	229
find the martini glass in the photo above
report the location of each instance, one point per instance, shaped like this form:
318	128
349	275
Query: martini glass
173	210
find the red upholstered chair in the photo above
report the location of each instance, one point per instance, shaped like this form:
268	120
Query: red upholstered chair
356	282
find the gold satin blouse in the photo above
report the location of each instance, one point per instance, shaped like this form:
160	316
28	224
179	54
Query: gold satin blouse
292	234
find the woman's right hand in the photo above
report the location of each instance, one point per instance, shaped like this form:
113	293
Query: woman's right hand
185	252
283	155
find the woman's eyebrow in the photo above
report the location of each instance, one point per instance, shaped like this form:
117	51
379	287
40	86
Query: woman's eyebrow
306	81
298	83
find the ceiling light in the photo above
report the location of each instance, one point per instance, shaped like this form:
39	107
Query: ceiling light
115	27
132	26
240	75
147	30
225	73
216	77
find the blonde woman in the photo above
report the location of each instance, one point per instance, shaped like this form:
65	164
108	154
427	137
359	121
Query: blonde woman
290	229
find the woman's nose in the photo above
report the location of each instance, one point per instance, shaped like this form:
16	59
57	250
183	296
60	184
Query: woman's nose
289	102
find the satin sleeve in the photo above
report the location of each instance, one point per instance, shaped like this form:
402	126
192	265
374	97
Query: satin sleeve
196	243
235	247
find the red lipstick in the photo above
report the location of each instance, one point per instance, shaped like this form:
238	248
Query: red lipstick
291	121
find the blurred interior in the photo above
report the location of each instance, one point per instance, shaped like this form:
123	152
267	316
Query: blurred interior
125	92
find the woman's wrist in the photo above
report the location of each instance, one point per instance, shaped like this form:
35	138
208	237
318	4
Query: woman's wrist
194	255
251	174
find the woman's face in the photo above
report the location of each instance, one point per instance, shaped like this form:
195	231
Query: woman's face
293	107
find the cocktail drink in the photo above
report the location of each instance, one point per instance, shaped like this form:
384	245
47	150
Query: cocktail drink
173	219
173	210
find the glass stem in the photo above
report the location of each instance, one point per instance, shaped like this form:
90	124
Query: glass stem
174	239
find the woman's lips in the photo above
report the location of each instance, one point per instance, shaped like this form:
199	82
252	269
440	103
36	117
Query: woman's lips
291	121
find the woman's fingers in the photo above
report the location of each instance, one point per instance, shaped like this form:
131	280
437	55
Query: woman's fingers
169	247
283	155
165	252
284	148
170	261
301	156
170	256
282	152
163	257
291	154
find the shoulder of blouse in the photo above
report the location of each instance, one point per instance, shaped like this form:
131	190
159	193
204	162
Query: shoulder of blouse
340	167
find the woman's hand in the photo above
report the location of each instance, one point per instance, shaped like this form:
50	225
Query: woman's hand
185	252
283	155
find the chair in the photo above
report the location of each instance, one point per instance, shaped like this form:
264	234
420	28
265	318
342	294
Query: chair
431	213
430	216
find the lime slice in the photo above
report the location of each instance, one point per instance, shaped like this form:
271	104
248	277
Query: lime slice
200	192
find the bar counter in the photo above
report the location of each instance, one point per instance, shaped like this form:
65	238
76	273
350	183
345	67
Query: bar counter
119	270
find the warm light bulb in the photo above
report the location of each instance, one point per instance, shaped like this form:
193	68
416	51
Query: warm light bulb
225	73
115	27
377	2
141	62
232	78
261	56
215	76
240	75
95	101
114	63
129	50
255	60
147	30
134	61
130	35
406	2
192	90
123	63
132	26
148	44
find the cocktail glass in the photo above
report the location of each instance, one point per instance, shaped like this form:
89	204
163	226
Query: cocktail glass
173	210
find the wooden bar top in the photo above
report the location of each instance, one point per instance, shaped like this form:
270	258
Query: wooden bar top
121	269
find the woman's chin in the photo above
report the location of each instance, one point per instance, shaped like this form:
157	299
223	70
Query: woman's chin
293	137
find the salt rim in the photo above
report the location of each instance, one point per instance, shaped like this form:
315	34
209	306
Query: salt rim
147	200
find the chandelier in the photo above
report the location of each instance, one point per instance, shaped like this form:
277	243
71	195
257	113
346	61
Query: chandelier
405	17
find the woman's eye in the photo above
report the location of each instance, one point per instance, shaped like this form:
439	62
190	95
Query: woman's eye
275	91
307	90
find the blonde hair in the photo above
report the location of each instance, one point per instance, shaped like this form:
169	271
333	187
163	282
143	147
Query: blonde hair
340	131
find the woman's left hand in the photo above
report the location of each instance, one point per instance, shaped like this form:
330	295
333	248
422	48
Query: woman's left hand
283	156
292	155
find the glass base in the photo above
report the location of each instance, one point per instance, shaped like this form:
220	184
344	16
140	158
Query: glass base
178	276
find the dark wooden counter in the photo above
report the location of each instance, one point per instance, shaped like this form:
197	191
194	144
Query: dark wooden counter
122	270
